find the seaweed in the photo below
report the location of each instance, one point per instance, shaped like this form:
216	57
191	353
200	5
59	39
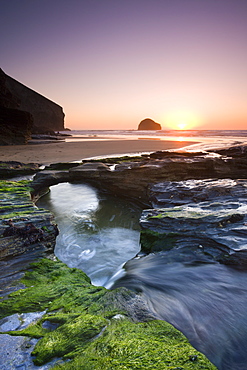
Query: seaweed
88	332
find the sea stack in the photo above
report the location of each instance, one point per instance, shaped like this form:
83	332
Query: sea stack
149	124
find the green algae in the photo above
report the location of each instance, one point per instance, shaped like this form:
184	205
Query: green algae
88	333
75	332
128	345
17	214
189	213
152	241
179	213
15	200
15	187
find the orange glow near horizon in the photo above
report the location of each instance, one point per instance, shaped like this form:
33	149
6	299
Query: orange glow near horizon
181	63
182	121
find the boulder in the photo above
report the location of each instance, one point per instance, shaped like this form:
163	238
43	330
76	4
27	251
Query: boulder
149	124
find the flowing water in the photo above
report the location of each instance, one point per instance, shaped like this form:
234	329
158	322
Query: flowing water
205	301
97	233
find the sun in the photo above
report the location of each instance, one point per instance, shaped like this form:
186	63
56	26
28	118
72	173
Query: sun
181	120
182	125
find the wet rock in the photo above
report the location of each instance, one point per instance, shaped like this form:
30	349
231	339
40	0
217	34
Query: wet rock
14	169
167	153
10	323
43	180
237	259
176	193
23	227
133	179
29	232
92	166
207	217
236	151
49	325
61	166
15	352
19	321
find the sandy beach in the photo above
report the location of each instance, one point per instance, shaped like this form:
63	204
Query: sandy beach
74	151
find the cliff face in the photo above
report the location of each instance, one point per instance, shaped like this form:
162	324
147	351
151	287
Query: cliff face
15	126
46	115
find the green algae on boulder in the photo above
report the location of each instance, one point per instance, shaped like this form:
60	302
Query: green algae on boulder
23	226
92	329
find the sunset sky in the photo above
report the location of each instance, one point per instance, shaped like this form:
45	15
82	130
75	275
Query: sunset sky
112	63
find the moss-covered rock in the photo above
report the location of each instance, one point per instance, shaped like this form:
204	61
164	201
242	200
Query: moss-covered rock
88	326
23	226
89	331
152	241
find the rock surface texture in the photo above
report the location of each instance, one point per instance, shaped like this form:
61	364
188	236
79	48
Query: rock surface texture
206	217
14	169
23	227
133	179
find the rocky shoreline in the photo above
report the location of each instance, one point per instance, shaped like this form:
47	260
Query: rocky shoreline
165	183
132	178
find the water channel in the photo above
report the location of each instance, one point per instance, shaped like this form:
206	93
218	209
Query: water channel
206	301
97	233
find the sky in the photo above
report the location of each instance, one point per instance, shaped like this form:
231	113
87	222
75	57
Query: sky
112	63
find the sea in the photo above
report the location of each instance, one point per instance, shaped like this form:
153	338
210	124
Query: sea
204	139
161	134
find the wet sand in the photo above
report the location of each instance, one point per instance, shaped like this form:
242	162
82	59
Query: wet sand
75	151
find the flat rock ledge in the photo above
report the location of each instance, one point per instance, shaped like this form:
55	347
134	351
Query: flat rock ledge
11	169
132	179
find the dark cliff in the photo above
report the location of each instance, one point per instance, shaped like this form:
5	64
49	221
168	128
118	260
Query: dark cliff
46	116
15	126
